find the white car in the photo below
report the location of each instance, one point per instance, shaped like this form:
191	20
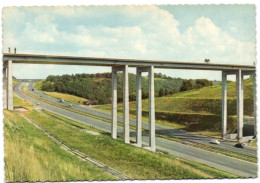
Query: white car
214	141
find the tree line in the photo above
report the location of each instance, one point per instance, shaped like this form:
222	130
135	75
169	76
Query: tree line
98	86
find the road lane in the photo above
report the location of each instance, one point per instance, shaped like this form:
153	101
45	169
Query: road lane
160	129
226	163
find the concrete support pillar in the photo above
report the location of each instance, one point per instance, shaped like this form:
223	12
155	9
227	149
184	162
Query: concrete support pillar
224	105
138	108
242	99
114	105
126	105
9	86
151	109
126	131
254	87
5	85
150	71
239	92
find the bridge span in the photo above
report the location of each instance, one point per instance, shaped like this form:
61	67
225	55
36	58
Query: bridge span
119	65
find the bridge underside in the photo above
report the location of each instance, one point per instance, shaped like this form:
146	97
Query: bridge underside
142	66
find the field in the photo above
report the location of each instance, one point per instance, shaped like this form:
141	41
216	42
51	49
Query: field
32	151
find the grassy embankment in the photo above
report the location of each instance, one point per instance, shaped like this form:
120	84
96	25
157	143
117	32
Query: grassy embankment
134	162
31	156
197	110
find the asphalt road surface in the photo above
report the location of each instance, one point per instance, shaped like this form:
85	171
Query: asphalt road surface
160	129
226	163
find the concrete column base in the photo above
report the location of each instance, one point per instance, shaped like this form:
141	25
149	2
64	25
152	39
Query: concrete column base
150	149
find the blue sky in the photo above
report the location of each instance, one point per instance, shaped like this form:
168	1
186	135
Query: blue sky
223	33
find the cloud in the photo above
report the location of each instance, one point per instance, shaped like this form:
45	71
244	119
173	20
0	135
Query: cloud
139	32
205	39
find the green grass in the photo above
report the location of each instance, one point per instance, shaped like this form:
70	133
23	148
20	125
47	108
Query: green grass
21	103
38	85
66	97
215	92
203	106
207	100
134	162
31	156
174	124
181	126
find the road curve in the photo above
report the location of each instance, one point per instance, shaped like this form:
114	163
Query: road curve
160	129
226	163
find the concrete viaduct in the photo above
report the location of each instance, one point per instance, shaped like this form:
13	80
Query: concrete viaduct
119	65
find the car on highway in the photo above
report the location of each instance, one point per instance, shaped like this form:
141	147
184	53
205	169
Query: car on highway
240	145
214	141
90	102
70	105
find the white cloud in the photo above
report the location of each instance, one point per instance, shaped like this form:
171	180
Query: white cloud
140	32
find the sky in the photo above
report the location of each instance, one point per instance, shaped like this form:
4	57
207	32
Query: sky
225	34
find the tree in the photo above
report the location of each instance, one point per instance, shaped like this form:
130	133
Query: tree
186	85
161	92
166	92
145	95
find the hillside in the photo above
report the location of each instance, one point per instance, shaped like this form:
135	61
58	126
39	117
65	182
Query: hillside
206	100
198	109
98	86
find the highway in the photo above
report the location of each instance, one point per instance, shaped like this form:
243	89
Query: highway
226	163
160	129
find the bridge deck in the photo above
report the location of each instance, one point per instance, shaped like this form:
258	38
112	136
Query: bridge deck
73	60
